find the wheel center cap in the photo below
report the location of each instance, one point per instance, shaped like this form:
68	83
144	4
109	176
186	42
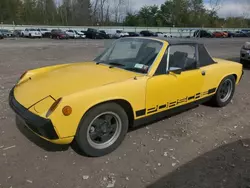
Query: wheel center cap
104	127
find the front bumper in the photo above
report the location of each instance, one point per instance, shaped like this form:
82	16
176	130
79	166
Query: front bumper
36	35
39	125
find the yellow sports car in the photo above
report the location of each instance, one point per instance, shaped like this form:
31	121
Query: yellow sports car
134	81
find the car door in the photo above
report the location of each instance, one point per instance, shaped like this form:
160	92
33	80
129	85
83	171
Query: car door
210	70
172	88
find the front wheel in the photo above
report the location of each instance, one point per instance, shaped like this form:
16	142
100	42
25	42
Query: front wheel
224	92
102	129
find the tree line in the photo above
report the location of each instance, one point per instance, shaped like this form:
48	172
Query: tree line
184	13
172	13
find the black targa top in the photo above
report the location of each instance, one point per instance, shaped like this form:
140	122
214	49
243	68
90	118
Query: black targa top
204	57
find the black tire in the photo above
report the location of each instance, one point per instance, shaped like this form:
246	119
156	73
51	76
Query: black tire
216	100
81	137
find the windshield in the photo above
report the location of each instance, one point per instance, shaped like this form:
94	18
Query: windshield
131	54
32	30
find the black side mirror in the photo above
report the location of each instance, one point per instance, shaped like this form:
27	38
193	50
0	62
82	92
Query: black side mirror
175	70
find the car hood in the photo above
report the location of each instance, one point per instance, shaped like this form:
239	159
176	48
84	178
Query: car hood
68	79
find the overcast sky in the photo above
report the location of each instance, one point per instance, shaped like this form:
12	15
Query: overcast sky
228	7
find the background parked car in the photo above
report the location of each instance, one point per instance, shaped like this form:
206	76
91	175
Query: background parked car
95	34
161	34
245	54
45	32
241	34
105	34
31	33
6	33
17	33
80	34
202	34
72	34
147	33
220	34
1	35
58	34
229	34
133	34
121	33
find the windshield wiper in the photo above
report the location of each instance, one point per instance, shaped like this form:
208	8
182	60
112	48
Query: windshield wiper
112	64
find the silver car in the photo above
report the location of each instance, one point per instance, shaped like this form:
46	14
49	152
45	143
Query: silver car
245	53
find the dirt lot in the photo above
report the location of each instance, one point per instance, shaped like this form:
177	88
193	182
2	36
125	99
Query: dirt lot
201	148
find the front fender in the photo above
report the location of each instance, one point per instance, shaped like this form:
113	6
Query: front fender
132	91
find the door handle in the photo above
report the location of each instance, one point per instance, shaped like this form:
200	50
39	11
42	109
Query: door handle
203	73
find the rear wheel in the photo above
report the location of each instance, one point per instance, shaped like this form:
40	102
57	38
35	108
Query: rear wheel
102	129
224	92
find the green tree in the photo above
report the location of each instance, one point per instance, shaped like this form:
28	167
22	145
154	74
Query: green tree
131	20
148	15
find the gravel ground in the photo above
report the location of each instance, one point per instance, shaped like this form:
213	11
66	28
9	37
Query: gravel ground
201	148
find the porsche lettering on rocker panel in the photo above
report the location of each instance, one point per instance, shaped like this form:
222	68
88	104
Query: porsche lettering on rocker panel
176	103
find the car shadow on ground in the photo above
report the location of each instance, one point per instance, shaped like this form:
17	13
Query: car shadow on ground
227	166
37	140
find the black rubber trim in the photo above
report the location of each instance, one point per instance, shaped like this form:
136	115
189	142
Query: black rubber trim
39	125
190	98
162	106
210	91
168	112
140	112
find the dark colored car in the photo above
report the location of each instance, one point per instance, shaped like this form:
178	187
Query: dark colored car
133	34
1	35
105	35
6	33
245	54
17	33
58	34
230	34
202	34
95	34
147	33
241	34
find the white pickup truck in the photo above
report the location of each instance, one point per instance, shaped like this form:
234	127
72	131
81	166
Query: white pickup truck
31	33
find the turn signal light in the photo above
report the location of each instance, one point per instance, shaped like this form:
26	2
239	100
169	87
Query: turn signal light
67	110
53	107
